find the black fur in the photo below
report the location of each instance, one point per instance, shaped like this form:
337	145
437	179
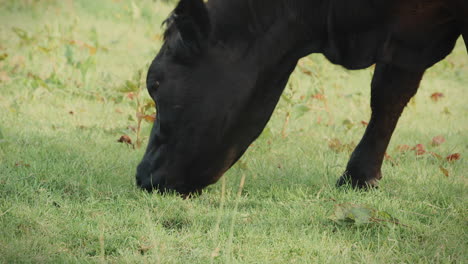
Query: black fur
224	65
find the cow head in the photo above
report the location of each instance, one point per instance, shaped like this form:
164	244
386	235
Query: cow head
209	105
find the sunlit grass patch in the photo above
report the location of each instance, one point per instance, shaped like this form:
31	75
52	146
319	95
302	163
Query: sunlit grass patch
67	192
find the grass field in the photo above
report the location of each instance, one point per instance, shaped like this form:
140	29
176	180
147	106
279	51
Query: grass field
67	192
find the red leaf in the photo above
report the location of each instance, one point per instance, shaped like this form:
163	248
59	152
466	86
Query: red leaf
436	96
453	157
125	139
419	149
436	141
319	96
364	123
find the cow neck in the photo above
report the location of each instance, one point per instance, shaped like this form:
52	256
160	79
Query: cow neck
268	30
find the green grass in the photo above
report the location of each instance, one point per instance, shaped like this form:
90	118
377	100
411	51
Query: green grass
67	192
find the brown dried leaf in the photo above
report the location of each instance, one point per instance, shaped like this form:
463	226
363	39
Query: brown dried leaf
144	248
22	164
130	95
387	157
402	148
419	149
444	171
438	140
149	118
3	56
335	145
125	139
364	123
319	96
92	50
436	96
453	157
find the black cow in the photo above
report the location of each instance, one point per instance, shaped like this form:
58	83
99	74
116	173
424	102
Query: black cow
224	65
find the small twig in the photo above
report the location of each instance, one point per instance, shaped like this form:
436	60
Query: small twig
4	213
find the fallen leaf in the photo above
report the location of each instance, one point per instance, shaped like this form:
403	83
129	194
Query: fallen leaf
350	213
387	157
144	248
305	71
71	112
336	145
444	171
403	148
453	157
22	164
319	96
419	149
92	50
438	140
130	95
149	118
436	96
390	159
125	139
364	123
360	214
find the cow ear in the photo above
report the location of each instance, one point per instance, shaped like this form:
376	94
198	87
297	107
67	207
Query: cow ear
192	21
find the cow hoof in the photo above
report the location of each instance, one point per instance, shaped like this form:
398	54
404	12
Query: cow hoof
358	183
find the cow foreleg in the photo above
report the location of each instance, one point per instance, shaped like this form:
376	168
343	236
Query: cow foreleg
391	89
